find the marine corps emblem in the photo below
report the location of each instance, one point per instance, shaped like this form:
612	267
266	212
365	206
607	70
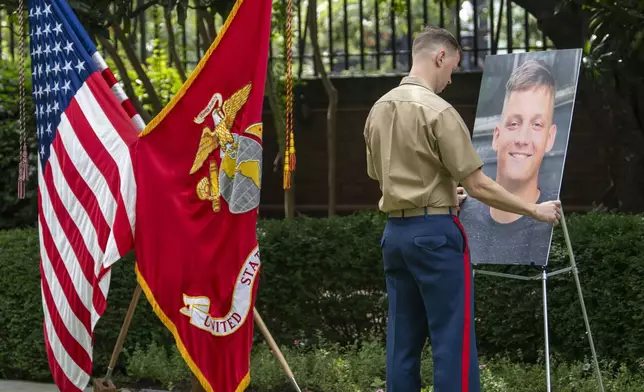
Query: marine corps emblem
238	180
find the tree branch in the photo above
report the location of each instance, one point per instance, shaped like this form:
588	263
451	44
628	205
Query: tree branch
332	93
206	39
136	64
172	45
140	9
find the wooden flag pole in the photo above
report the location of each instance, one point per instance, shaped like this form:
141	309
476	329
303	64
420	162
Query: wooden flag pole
276	350
105	384
124	328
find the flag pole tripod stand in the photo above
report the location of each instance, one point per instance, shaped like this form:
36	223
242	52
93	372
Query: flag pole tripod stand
106	385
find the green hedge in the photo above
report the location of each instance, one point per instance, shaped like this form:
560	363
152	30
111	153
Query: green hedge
360	369
14	212
322	278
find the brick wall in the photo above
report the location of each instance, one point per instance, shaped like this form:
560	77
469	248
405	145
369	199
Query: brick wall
585	175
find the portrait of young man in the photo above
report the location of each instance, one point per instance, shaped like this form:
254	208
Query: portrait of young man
524	134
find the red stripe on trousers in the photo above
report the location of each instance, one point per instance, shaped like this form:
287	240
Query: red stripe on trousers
467	317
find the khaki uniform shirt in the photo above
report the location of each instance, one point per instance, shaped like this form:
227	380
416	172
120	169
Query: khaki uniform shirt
418	148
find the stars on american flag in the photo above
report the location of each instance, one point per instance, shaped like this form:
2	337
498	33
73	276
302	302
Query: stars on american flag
58	70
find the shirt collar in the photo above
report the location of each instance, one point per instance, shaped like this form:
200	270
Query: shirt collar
416	81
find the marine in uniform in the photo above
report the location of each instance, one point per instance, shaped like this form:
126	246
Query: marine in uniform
418	149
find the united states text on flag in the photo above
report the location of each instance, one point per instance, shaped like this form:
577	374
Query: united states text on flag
86	184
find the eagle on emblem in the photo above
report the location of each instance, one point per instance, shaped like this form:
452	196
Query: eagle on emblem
221	135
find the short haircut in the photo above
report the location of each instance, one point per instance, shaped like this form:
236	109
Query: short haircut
529	75
433	36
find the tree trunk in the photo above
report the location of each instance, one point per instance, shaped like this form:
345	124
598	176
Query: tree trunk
210	22
332	93
172	45
206	39
136	64
630	140
280	132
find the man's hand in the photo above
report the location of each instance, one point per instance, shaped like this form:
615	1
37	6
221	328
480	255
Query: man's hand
460	196
549	211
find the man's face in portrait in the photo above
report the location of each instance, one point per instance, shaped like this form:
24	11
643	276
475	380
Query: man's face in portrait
524	134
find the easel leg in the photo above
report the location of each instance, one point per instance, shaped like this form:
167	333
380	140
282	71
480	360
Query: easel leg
275	348
575	273
544	278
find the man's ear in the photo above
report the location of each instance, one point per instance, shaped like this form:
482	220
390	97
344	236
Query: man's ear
552	133
440	57
495	138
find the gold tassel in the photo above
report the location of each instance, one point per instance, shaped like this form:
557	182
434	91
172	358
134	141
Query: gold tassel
23	166
289	149
287	173
292	153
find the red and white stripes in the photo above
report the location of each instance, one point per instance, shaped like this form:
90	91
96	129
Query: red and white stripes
118	91
87	196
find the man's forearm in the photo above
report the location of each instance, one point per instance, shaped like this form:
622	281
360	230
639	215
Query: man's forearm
494	195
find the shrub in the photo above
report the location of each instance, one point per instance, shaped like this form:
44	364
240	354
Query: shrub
322	281
330	368
14	212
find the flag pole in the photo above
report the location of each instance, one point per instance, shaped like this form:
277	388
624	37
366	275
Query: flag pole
124	328
276	350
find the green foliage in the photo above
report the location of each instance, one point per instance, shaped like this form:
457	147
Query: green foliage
322	281
22	350
332	267
14	212
616	38
157	365
163	76
361	369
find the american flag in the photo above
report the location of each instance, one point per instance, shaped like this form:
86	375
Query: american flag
86	185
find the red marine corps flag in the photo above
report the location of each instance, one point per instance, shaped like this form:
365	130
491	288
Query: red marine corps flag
198	173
